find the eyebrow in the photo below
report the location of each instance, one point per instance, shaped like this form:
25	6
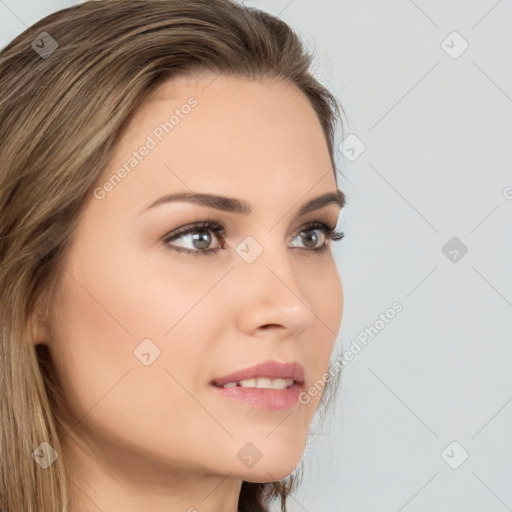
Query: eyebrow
240	207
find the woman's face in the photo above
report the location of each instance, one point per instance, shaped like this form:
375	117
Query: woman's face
141	331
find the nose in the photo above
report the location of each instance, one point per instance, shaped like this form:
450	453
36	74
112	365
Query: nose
271	295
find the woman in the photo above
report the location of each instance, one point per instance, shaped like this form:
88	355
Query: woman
170	301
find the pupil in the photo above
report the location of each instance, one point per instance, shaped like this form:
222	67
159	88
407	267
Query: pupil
313	238
203	240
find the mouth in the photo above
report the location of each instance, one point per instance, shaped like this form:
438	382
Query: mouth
260	383
270	385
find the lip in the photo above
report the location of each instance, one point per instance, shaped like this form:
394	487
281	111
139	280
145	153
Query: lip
267	399
269	369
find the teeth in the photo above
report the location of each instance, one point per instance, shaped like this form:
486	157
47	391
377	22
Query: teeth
248	383
262	383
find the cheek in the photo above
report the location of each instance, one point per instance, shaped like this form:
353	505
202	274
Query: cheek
324	292
92	340
333	296
325	295
105	312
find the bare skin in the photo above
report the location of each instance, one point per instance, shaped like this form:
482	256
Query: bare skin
156	437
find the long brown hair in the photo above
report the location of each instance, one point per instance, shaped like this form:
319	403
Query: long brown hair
68	84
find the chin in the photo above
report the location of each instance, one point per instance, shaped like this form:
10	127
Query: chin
273	465
269	473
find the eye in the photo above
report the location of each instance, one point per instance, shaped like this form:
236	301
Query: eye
200	238
310	235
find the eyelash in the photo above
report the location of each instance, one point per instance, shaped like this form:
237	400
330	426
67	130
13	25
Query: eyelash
329	231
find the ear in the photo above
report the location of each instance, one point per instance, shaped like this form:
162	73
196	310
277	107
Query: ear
40	334
38	328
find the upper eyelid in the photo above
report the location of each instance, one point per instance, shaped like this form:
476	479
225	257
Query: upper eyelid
206	225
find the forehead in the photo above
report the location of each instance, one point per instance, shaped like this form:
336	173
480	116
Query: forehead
232	104
222	134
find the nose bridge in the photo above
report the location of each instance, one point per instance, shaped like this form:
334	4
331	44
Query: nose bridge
272	292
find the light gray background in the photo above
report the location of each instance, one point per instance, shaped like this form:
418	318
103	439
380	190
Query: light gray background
437	132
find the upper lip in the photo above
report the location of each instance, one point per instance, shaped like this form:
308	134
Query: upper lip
268	369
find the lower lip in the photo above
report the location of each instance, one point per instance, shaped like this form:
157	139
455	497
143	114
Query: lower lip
269	399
